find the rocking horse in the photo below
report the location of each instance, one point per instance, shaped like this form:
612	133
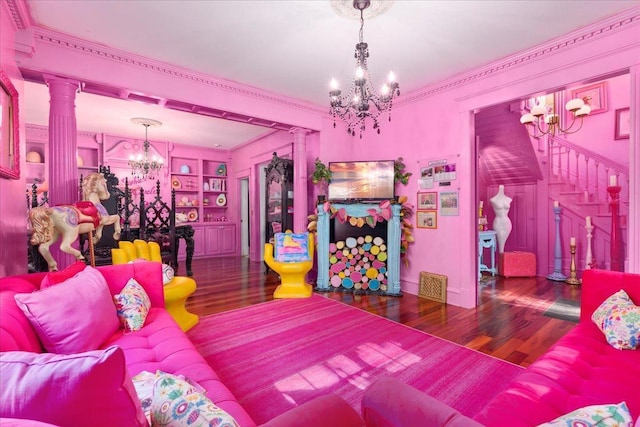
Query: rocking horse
69	221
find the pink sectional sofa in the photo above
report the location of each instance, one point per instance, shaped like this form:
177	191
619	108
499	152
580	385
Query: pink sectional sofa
159	345
580	370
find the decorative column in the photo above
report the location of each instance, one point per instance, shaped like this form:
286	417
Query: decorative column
300	179
557	253
63	150
322	249
617	259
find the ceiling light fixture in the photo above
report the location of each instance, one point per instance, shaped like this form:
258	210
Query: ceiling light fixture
143	167
540	113
362	102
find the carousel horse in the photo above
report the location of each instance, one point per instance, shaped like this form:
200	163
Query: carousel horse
68	221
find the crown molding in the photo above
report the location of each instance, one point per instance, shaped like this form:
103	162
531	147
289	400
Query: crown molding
19	13
41	133
132	60
586	34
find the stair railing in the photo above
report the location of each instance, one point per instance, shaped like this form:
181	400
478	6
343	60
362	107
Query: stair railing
587	171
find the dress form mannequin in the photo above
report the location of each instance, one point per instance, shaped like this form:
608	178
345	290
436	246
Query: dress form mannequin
501	223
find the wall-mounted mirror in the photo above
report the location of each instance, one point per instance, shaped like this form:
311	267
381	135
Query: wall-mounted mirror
9	154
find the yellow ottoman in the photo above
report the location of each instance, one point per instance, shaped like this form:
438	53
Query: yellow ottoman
176	293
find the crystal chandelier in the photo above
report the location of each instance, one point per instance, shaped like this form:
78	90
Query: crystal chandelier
362	102
539	114
143	167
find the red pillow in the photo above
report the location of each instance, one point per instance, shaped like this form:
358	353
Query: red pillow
55	277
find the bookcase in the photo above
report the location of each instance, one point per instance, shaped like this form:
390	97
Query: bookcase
201	188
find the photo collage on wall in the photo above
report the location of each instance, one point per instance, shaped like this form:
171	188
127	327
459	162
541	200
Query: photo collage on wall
435	175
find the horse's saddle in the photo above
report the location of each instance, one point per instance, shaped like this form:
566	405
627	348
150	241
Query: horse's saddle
88	213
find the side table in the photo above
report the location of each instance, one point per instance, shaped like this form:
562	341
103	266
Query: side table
487	240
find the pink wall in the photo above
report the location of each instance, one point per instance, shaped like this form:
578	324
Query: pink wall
598	129
13	221
436	122
432	123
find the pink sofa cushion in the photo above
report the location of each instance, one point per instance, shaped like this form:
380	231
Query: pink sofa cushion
162	346
17	422
580	370
92	388
16	332
74	316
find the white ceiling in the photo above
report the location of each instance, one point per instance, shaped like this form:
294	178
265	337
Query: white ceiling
294	48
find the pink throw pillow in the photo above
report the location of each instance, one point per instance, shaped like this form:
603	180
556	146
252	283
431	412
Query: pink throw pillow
92	388
74	316
55	277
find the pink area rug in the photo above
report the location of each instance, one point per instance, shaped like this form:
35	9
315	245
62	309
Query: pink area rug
276	355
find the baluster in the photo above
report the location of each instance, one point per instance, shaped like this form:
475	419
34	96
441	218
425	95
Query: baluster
586	175
596	191
568	165
577	170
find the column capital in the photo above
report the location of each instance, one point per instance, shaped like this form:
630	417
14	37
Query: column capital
298	131
50	79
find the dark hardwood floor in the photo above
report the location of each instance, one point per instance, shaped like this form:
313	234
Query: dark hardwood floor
508	323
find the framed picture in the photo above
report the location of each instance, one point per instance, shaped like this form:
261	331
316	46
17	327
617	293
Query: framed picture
427	201
623	123
449	203
9	149
426	178
427	219
596	95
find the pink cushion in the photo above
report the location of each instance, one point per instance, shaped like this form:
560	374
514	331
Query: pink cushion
161	345
17	422
75	316
92	388
16	332
55	277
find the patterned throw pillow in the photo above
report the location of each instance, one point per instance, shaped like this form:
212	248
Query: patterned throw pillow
595	416
619	319
167	274
291	247
132	305
177	403
144	383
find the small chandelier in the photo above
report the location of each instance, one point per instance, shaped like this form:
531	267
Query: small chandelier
361	102
143	168
578	108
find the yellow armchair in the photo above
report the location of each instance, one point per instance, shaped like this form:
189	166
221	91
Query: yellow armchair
176	291
293	282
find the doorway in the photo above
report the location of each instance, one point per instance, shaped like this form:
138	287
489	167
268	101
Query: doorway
245	224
